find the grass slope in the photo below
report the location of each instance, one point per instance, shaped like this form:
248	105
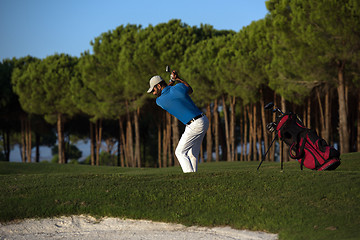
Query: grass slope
293	203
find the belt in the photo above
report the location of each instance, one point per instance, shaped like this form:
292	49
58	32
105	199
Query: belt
195	118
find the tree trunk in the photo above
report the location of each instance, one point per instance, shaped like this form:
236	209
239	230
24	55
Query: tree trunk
216	130
272	149
98	136
168	138
164	148
358	123
241	123
92	140
175	138
227	135
37	142
159	143
308	113
285	148
263	121
232	128
259	140
124	155
322	114
250	116
29	145
343	124
66	148
119	152
23	142
245	137
327	126
60	139
6	143
129	142
208	135
254	134
8	150
137	138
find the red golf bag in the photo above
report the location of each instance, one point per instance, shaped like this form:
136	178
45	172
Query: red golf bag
305	145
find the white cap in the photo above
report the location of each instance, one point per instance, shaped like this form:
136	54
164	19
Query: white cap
153	81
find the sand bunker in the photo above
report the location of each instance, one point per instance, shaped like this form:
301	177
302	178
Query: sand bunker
88	228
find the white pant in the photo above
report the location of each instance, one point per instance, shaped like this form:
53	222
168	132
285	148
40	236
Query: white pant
188	149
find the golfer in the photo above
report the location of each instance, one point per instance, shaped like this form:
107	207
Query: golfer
175	99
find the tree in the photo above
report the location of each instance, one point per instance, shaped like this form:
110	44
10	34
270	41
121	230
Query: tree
44	88
8	102
199	68
24	85
104	87
84	94
332	43
165	44
253	57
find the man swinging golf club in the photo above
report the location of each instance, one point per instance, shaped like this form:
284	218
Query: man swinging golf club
175	99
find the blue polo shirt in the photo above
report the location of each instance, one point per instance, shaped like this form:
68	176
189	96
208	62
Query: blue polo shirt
176	101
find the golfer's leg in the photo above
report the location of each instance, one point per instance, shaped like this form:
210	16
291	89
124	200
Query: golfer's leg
194	152
193	158
182	150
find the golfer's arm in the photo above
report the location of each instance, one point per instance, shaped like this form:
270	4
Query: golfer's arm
186	84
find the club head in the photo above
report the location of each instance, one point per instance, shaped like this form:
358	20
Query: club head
268	106
167	69
271	127
277	110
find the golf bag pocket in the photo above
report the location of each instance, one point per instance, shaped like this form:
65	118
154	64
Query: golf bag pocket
314	153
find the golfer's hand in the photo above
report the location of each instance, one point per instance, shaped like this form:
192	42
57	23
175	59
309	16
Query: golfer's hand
174	75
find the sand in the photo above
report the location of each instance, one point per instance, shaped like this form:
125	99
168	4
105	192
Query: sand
88	228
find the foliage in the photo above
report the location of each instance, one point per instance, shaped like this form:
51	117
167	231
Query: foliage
309	46
6	67
25	81
242	62
43	85
165	44
200	70
97	89
72	151
106	159
55	158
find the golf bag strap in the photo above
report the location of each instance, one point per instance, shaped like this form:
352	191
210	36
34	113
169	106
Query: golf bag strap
300	150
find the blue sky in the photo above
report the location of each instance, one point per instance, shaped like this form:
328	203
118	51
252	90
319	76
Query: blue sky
44	27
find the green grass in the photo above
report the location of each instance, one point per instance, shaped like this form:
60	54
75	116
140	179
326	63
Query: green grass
293	203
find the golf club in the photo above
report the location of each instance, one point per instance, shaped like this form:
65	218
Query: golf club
271	127
271	105
167	69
